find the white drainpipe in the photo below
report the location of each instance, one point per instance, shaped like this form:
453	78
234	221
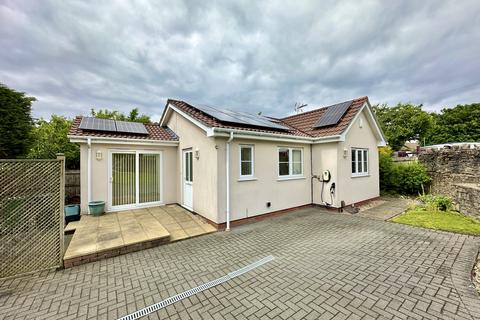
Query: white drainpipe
89	171
227	164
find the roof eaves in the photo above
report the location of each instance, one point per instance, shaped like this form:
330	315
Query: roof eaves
260	134
191	117
120	140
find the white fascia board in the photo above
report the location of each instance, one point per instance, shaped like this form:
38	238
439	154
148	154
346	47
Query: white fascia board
328	139
186	116
165	116
371	120
263	138
123	141
255	135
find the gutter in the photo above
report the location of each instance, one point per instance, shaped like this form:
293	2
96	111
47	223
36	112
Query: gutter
227	166
224	132
83	139
89	171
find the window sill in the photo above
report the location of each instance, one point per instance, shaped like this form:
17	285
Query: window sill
360	175
285	178
247	179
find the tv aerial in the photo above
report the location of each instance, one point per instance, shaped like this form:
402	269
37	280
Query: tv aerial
299	107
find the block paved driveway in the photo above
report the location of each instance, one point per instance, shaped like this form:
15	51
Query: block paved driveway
327	266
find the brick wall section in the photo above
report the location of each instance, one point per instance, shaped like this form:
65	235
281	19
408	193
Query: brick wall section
454	172
468	198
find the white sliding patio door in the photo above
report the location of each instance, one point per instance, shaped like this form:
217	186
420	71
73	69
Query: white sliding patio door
135	179
149	177
123	179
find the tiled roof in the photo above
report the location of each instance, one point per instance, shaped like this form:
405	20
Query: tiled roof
213	122
155	132
305	121
301	124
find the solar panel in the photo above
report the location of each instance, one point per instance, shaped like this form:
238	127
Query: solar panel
90	123
239	117
131	127
333	114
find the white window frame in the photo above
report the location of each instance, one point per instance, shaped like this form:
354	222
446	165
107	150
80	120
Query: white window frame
290	163
246	176
360	151
137	204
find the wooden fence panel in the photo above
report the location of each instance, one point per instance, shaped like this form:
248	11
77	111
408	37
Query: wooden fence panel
31	215
72	183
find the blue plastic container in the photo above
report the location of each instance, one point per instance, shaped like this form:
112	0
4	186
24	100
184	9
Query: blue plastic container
72	212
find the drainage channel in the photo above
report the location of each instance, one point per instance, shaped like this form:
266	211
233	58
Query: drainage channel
164	303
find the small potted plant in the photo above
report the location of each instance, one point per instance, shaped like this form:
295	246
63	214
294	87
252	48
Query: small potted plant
96	208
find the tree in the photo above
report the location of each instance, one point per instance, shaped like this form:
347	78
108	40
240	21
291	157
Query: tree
15	122
459	124
403	122
50	138
134	115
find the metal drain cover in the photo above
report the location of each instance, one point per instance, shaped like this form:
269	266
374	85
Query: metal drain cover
162	304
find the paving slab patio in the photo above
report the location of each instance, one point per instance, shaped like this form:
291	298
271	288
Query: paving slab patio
113	231
388	208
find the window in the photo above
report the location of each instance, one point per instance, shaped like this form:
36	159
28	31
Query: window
246	161
290	162
188	166
359	162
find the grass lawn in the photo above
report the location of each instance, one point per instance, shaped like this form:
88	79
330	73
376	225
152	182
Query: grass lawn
446	221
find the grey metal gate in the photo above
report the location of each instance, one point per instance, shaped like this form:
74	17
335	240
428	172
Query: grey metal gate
31	215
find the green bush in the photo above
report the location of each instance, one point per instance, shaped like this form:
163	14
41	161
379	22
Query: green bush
402	178
432	202
386	169
410	178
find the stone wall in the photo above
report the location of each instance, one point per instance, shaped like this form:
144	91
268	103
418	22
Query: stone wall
468	199
450	166
450	170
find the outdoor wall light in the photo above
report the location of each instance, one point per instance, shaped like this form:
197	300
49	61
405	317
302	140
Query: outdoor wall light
99	155
197	154
345	153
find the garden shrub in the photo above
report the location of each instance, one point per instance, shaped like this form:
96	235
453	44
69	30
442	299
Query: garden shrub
402	178
432	202
410	178
386	168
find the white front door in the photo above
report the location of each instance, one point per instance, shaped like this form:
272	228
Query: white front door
187	177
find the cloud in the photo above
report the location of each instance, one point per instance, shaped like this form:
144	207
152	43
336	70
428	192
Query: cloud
249	55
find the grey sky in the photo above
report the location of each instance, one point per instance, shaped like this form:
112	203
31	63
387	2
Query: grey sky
249	55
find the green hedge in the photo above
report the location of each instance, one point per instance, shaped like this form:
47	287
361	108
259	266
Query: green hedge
403	178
